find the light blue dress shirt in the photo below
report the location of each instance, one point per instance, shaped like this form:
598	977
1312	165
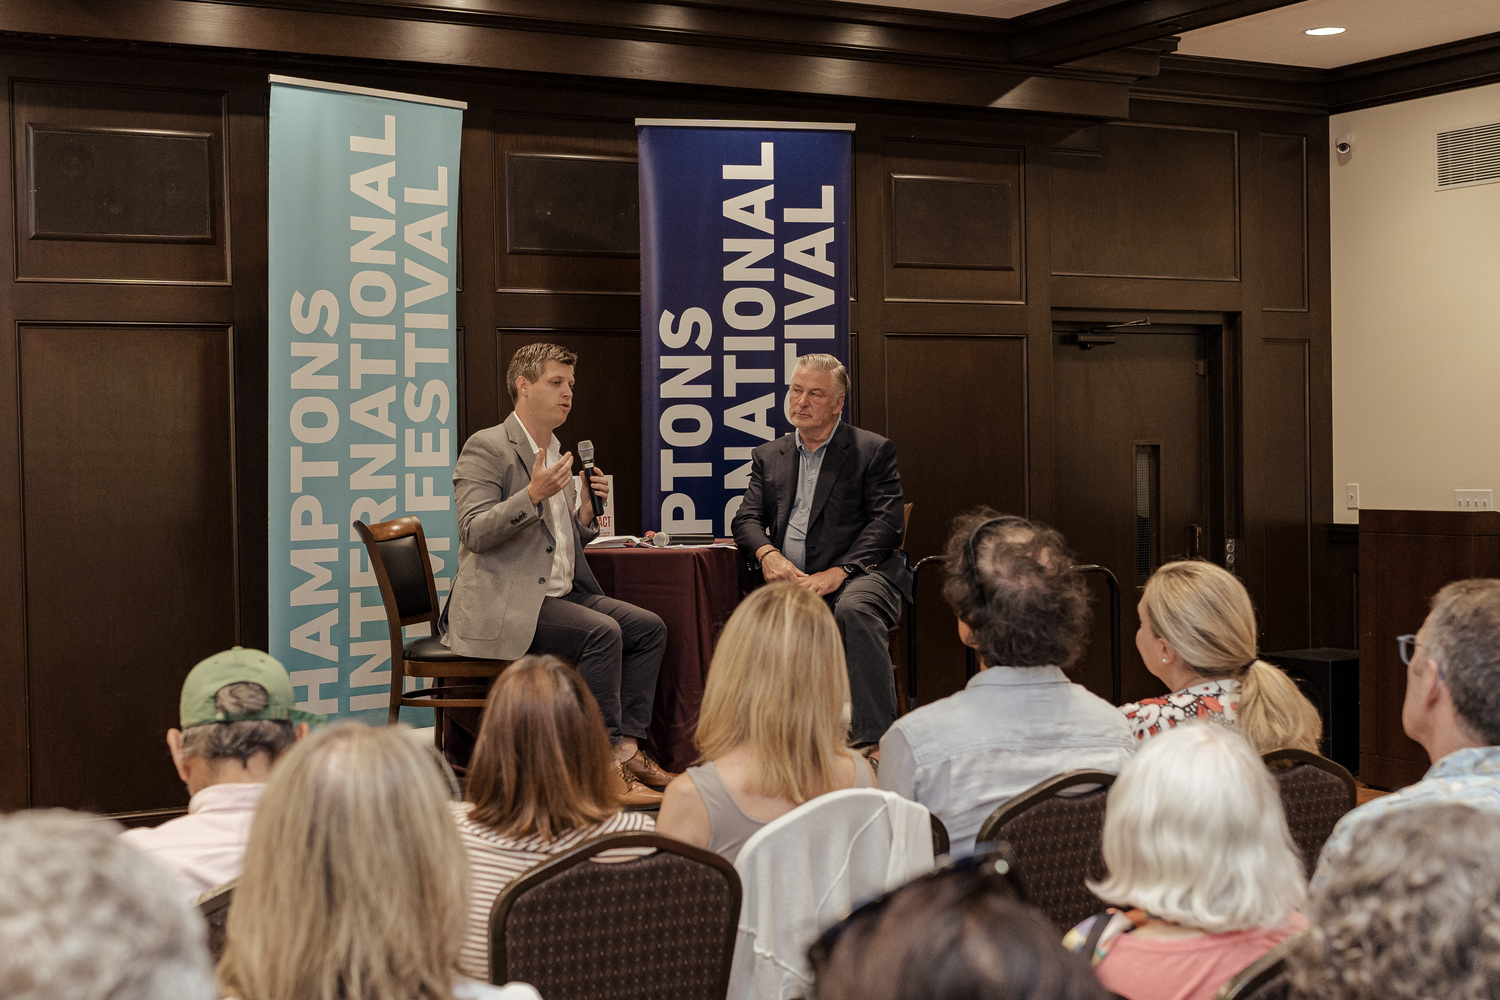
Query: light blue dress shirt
1470	775
794	547
1008	729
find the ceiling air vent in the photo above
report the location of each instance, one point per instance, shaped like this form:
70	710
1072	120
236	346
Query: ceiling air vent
1468	155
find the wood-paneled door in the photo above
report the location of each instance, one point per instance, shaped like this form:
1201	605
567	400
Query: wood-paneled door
1134	467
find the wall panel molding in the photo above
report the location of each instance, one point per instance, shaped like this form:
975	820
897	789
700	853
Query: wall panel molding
120	185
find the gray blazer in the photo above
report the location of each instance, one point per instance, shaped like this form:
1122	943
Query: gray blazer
504	546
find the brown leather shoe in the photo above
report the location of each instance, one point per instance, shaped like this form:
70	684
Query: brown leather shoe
634	795
648	771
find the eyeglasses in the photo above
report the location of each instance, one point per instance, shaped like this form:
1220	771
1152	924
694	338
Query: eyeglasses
993	871
1407	645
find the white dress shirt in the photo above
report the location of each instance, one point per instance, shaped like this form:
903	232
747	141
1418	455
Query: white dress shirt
554	511
205	848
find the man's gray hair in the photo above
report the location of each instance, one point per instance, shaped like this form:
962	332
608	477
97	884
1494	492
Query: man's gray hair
1412	911
530	361
1463	636
826	363
84	916
239	740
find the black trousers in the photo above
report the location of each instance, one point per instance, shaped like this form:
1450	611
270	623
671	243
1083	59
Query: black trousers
617	648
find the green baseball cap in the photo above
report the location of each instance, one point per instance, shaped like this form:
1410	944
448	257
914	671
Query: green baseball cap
236	666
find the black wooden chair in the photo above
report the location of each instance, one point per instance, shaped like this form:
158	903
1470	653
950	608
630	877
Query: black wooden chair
1266	978
662	925
1315	794
213	904
398	558
1057	841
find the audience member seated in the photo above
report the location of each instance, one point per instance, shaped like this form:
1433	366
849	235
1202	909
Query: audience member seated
1019	720
541	781
238	716
1198	848
771	729
355	880
1452	708
1410	912
1197	637
83	917
976	942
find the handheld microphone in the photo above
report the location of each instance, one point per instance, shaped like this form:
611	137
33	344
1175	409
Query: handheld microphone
586	453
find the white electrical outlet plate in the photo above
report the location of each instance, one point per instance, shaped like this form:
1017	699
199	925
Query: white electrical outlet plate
1474	499
1351	496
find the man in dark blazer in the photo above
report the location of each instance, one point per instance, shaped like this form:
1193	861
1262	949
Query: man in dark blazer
824	511
523	584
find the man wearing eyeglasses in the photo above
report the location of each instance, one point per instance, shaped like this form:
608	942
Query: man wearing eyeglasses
1452	708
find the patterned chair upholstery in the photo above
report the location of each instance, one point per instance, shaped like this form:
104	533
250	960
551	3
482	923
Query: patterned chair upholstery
657	927
1057	842
1315	793
1266	978
214	905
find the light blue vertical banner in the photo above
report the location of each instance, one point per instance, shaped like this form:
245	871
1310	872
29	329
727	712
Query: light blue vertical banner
362	395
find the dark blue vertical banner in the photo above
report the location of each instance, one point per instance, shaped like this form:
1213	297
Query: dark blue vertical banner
744	268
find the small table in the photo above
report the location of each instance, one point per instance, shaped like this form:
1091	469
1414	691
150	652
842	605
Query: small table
694	591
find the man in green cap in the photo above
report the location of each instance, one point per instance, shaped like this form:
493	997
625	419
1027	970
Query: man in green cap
238	716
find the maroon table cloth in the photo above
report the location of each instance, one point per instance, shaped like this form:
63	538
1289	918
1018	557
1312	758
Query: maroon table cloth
694	591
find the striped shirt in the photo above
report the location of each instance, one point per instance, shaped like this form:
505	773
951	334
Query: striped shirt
496	860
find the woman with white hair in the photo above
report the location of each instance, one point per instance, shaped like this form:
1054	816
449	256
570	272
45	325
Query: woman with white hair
355	879
1198	637
1202	863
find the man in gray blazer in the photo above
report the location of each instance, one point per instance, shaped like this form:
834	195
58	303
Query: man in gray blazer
523	584
824	511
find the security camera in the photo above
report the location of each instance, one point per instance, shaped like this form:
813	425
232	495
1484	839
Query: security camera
1344	145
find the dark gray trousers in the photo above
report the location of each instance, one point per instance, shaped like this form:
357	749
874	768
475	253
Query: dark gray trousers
867	607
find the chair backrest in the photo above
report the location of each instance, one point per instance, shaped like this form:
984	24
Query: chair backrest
1315	794
658	926
1058	842
398	558
808	869
940	842
213	904
1266	978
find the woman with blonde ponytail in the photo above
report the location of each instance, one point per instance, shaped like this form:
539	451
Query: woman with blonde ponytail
1197	636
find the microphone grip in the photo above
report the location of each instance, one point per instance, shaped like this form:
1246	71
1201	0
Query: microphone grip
598	501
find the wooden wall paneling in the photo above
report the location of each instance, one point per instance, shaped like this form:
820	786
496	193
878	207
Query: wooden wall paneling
480	375
567	205
1405	557
15	778
119	184
953	219
957	413
129	536
1285	447
606	406
247	309
1283	208
1156	201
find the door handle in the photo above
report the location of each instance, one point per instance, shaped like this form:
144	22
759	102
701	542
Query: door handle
1194	541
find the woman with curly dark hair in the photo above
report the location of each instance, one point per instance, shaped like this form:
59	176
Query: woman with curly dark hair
1020	720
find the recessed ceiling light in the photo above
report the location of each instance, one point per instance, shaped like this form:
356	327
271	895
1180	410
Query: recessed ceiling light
1324	31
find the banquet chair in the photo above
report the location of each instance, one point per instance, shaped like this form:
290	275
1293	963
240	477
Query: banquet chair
1266	978
1057	841
658	925
1315	794
398	558
213	904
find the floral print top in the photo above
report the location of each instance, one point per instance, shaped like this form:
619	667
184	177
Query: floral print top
1215	701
